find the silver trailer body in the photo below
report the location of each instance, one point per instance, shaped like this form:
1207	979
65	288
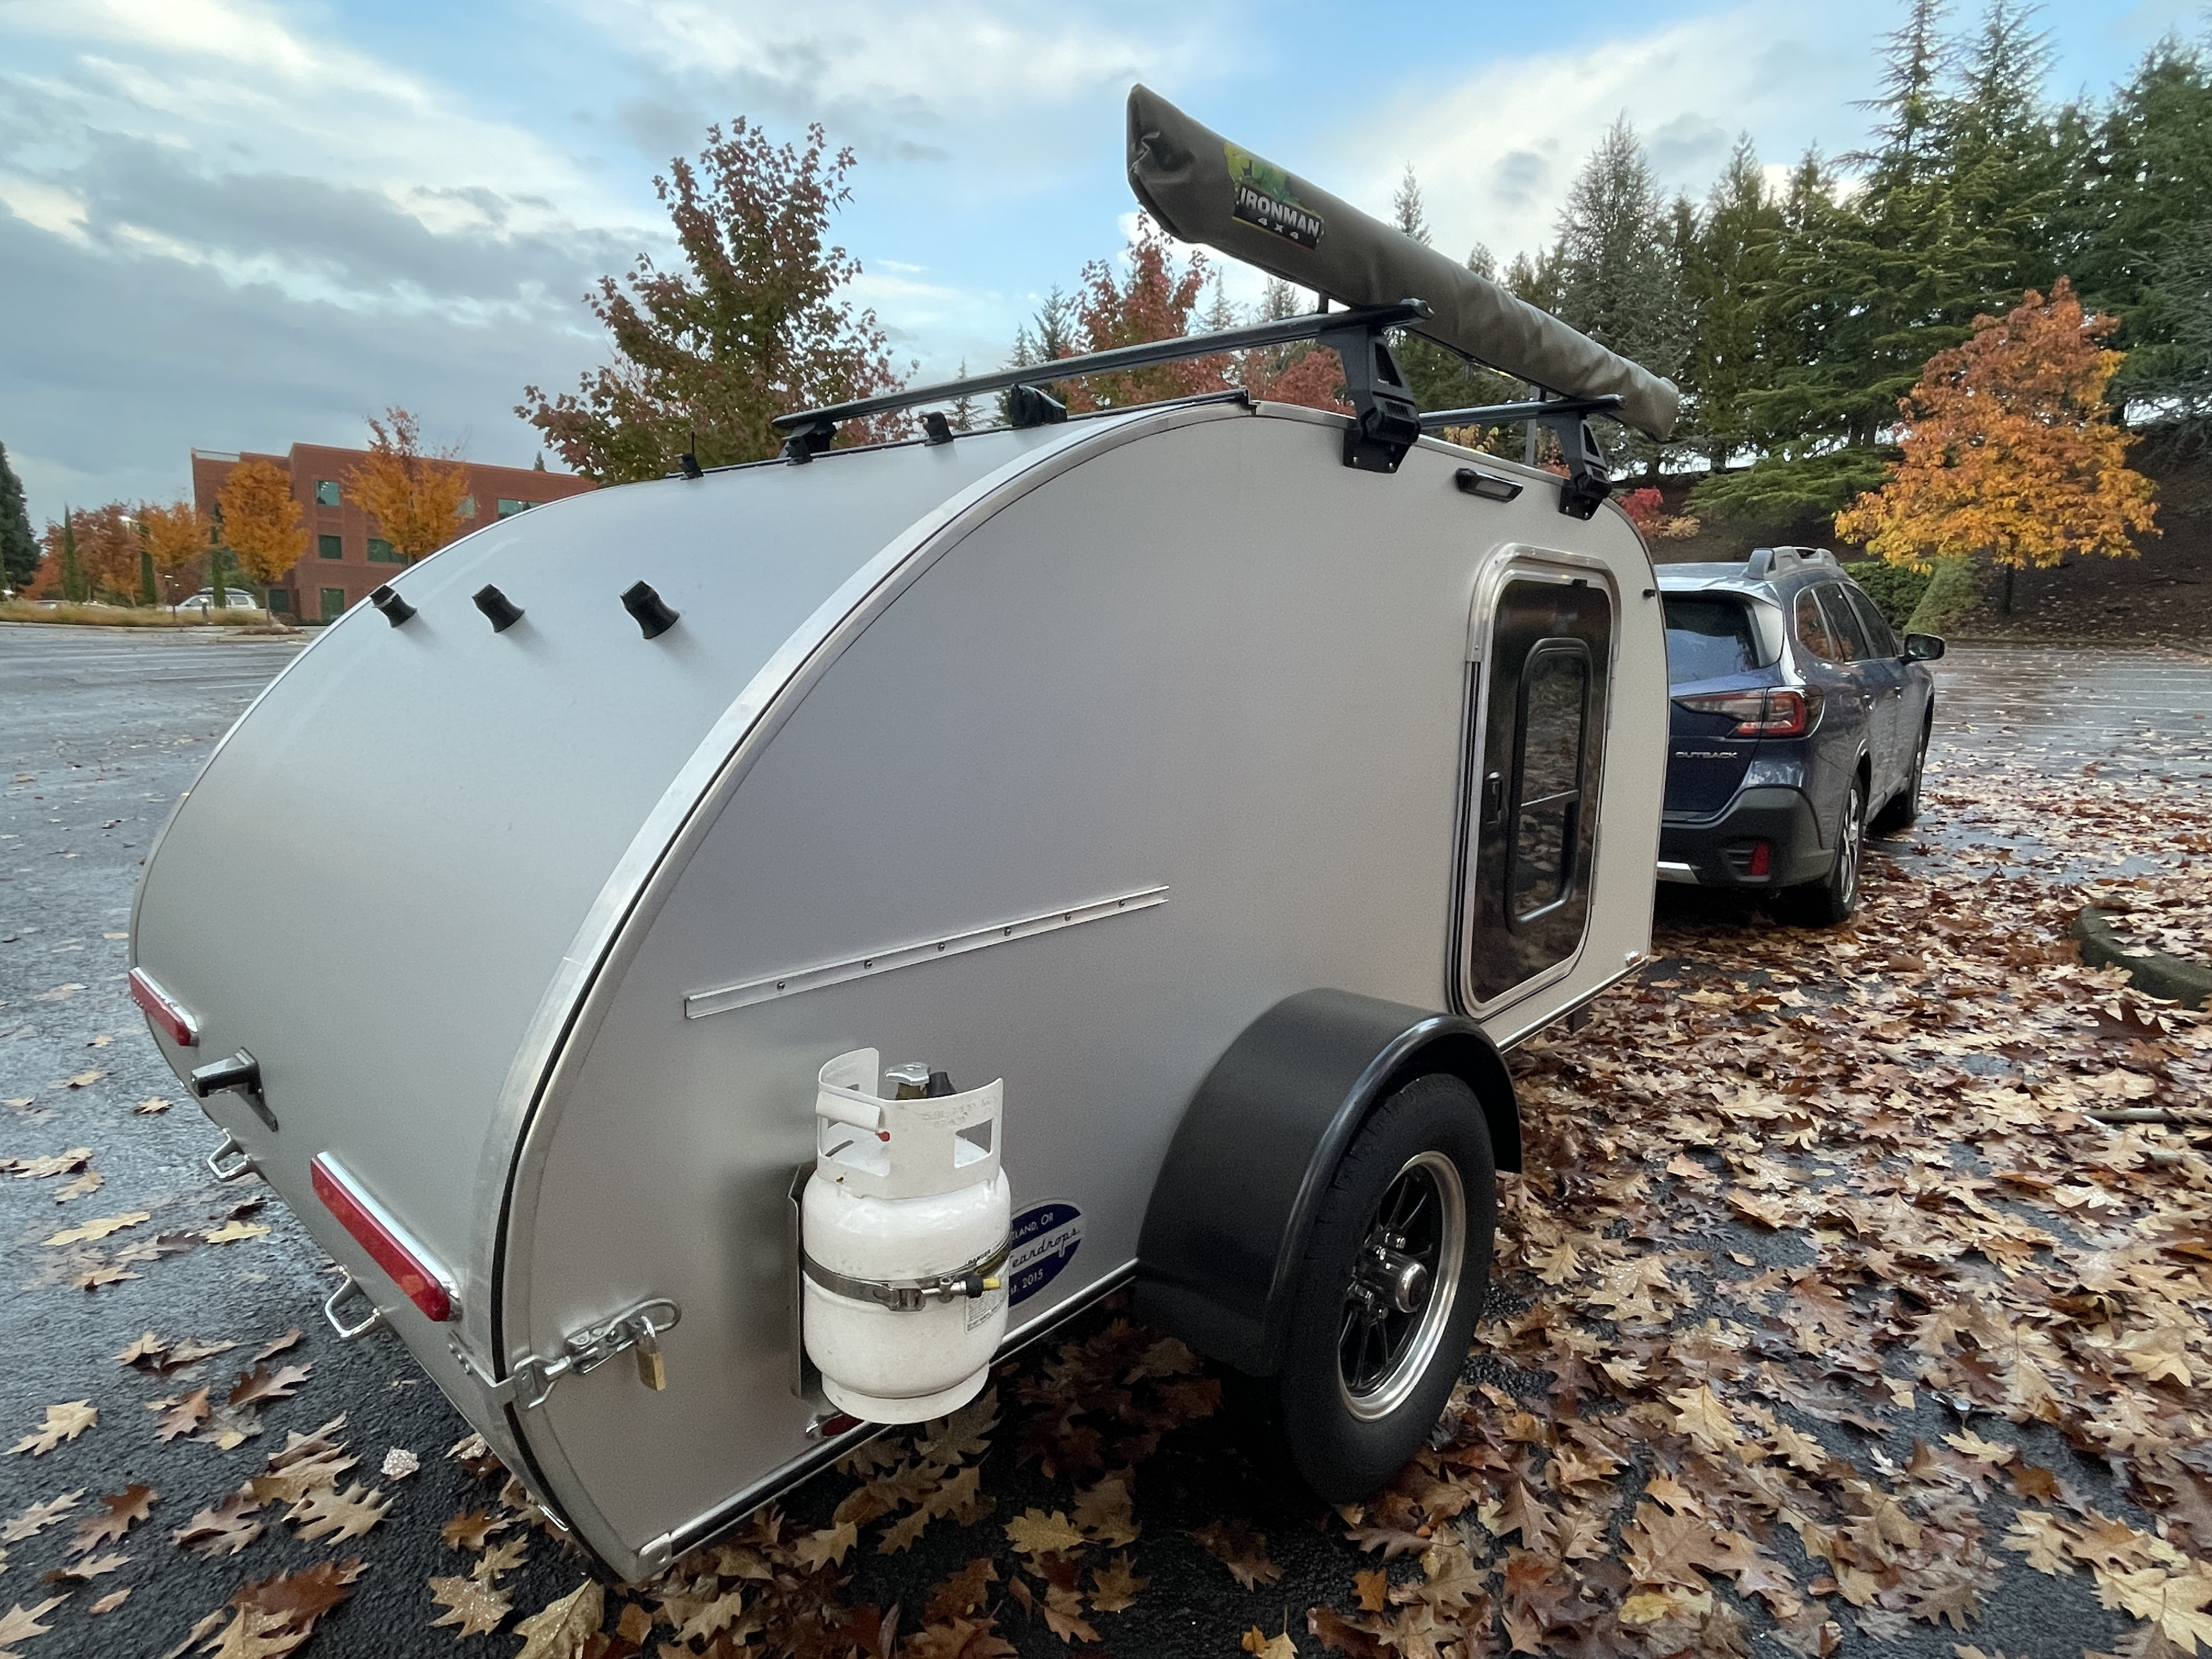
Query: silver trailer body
1059	755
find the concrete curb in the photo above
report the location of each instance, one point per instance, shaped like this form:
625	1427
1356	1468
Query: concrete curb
2189	983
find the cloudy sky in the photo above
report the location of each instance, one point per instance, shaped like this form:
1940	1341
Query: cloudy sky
236	224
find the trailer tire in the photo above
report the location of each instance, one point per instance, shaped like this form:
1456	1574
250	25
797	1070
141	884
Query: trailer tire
1373	1347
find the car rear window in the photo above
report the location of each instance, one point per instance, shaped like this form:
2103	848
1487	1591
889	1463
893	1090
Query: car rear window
1708	637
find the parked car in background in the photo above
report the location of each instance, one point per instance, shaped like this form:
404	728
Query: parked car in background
1799	720
234	598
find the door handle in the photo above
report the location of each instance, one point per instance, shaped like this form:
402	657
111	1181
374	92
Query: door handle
1493	799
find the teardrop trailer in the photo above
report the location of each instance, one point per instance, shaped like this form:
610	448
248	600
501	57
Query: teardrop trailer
1193	801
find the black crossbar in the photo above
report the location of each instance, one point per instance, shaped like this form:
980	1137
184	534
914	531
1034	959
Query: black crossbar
1499	414
1307	325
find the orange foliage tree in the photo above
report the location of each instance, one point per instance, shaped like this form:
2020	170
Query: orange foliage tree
2010	450
1156	301
261	520
177	536
415	494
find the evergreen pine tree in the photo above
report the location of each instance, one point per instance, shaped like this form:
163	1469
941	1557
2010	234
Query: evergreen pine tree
73	588
19	547
1729	270
1407	211
1619	279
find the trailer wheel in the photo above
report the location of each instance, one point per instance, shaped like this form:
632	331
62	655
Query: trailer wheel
1392	1281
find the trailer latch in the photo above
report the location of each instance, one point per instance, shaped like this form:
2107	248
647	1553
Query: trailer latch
529	1382
240	1074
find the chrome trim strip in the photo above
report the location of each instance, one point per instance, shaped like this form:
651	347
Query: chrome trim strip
1670	870
791	981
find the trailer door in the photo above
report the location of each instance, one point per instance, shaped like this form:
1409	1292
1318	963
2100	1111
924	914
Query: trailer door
1537	754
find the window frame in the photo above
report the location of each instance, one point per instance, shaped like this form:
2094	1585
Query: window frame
328	546
336	497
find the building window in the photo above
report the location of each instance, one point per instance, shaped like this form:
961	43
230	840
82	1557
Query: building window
333	604
467	509
508	506
280	600
326	492
330	547
379	552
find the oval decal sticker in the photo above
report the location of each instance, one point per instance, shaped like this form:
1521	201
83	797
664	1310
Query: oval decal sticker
1045	1239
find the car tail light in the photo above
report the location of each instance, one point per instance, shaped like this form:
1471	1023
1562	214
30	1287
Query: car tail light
1761	862
1780	712
168	1016
386	1242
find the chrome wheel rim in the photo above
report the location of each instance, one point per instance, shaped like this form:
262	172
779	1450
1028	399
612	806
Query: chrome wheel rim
1404	1284
1847	853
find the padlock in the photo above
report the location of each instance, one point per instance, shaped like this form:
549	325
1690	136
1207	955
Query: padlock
652	1368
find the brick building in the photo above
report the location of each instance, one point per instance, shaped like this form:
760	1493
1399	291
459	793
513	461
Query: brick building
345	556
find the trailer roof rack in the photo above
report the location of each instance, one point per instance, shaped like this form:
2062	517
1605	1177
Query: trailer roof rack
1385	421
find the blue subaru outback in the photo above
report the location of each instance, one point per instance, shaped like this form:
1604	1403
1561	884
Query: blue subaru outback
1799	722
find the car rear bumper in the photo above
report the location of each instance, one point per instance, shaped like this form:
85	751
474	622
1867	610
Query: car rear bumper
1720	852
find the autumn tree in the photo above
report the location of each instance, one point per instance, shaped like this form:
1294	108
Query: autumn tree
19	547
107	552
753	324
1155	300
177	538
261	520
2010	451
414	493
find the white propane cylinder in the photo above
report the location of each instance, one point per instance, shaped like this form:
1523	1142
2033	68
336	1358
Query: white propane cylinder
906	1208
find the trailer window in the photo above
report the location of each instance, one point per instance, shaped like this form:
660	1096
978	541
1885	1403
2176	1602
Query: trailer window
1547	786
1708	638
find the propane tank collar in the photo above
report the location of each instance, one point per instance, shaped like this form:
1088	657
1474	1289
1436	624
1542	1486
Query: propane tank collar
973	1278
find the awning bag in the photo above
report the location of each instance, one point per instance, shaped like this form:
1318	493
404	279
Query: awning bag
1202	188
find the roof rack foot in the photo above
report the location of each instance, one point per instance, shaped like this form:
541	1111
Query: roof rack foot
1032	406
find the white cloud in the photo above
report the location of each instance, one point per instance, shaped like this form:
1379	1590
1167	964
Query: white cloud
1496	152
54	211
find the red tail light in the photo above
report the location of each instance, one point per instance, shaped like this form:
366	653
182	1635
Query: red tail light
1762	859
167	1014
1782	712
386	1242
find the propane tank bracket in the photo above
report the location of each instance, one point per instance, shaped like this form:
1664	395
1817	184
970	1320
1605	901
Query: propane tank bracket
970	1279
240	1075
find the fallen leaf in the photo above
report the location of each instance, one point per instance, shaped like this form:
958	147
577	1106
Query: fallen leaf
63	1422
125	1509
152	1107
109	1602
84	1231
503	1557
470	1528
223	1527
1035	1533
477	1606
232	1232
261	1383
399	1463
85	1079
563	1629
1242	1549
21	1624
1115	1586
84	1570
182	1416
276	1346
334	1514
38	1517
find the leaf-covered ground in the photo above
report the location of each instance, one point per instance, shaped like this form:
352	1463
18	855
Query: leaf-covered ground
1853	1302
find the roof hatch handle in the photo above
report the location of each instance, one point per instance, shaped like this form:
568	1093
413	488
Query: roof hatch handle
240	1074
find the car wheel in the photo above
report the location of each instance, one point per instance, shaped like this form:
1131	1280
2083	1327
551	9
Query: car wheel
1393	1278
1904	809
1835	896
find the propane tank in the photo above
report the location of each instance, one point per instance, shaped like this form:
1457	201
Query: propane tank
904	1234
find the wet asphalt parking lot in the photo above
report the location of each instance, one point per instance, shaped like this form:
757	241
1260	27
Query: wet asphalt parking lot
102	731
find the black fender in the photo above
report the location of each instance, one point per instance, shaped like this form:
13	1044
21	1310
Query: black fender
1233	1204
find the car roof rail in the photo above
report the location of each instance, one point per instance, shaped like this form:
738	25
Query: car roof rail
1774	560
